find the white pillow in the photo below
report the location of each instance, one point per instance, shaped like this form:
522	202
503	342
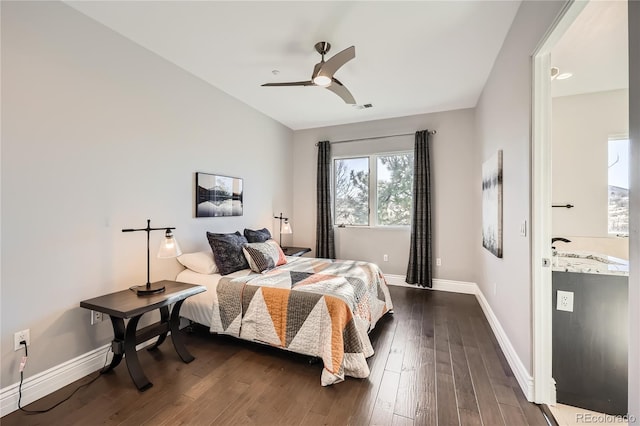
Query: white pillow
201	262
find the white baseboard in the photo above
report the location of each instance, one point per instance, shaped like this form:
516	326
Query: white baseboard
525	380
438	284
42	384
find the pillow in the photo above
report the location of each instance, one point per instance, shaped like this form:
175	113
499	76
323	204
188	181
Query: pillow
264	256
227	251
257	236
201	262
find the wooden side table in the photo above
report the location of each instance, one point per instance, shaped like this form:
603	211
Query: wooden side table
128	305
295	251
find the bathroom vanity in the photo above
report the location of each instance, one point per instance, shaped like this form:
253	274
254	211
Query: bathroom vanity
590	344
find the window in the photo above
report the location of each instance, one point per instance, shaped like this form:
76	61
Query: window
394	189
374	190
352	191
618	186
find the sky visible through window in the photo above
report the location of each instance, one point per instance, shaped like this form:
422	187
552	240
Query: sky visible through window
619	163
618	193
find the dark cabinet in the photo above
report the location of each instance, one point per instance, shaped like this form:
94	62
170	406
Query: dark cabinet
590	344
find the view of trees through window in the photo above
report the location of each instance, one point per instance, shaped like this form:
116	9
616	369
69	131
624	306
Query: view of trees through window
385	190
619	186
395	189
352	191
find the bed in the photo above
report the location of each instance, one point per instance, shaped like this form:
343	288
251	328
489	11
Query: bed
317	307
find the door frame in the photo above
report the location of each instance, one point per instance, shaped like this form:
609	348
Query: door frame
544	391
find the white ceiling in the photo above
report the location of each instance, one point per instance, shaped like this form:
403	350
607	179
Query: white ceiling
411	57
595	49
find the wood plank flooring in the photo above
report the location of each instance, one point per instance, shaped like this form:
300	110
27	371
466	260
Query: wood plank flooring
436	363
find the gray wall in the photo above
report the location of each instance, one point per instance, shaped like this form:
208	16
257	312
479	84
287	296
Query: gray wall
503	119
634	224
582	125
455	218
99	134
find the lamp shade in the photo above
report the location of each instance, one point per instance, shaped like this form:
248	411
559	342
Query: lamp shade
286	228
169	247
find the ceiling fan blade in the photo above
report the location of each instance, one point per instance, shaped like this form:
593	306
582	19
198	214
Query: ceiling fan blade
339	59
339	89
292	83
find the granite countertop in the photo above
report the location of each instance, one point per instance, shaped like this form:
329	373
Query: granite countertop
589	263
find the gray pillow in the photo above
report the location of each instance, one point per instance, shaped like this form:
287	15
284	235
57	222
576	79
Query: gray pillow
257	236
227	251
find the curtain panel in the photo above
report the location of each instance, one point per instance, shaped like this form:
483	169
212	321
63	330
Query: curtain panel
325	245
419	270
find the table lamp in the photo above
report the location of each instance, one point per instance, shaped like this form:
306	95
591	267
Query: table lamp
168	248
285	228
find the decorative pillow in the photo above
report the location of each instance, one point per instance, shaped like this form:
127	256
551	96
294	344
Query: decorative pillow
257	236
227	251
264	256
201	262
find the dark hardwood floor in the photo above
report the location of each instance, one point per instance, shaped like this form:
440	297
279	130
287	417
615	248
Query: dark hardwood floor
436	363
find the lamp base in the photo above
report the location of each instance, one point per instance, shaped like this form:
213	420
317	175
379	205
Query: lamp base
143	290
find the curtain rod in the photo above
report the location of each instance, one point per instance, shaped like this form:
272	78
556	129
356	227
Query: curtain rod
431	132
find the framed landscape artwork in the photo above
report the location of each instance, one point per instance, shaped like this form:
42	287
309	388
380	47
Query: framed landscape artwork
492	204
218	195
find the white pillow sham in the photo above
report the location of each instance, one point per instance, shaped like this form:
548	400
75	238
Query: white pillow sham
201	262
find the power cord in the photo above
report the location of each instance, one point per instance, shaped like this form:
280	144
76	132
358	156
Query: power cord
22	365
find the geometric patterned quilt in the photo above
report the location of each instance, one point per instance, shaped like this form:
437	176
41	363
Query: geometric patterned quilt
318	307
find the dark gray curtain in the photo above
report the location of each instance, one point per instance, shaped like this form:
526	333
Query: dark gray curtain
419	270
325	246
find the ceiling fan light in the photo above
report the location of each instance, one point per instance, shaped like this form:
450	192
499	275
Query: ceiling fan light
322	80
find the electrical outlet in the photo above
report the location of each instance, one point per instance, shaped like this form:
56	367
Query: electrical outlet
96	317
385	257
565	301
19	337
438	261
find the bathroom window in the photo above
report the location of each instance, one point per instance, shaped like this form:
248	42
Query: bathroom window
618	165
374	190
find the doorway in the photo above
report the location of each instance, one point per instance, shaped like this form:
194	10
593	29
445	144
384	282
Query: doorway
563	176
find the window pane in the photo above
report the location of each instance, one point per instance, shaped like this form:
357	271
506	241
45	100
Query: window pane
619	186
352	191
395	189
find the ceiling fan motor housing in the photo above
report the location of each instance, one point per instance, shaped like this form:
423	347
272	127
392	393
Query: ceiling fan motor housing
323	47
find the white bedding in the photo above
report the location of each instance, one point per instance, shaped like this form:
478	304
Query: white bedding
199	308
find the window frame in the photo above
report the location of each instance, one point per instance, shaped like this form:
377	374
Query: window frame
373	191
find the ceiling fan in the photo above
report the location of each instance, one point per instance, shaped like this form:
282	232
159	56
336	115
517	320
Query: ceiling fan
323	72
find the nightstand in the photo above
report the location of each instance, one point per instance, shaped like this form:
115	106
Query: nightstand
295	251
127	304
